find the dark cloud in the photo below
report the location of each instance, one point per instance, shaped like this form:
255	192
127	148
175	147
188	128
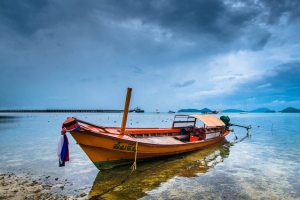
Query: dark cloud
46	44
185	84
280	83
258	39
285	76
276	9
190	20
222	21
23	16
231	26
195	16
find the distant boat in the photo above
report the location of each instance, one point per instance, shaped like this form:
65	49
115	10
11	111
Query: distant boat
215	112
156	111
245	110
137	110
170	111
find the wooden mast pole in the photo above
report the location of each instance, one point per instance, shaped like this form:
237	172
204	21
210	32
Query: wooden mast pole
125	112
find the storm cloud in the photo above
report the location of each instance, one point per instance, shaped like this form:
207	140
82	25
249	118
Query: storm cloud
239	49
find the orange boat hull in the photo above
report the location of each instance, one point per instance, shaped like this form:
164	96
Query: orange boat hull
107	150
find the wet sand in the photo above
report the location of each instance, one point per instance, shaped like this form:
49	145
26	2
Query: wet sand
17	187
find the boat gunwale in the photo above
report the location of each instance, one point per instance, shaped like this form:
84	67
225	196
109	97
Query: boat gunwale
132	141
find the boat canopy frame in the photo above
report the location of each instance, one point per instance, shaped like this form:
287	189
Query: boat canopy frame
181	121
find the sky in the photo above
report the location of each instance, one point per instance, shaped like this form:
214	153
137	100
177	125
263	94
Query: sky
174	54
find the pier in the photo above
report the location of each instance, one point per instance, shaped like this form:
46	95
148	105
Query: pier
61	111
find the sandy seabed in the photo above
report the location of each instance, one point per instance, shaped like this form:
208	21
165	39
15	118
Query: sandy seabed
17	187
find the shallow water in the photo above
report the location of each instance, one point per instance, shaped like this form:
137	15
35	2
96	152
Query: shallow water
264	166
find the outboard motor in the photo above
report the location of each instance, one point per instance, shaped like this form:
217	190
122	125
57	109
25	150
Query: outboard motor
226	120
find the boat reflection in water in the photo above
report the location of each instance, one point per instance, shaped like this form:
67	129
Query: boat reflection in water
120	183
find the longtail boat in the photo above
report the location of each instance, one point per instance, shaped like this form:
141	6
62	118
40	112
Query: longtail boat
111	146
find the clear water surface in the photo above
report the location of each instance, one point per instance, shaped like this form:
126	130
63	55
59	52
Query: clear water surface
264	166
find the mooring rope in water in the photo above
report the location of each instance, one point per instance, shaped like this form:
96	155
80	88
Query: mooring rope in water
133	167
246	136
234	134
96	197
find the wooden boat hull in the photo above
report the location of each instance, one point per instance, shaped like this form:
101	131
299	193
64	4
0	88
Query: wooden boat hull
107	150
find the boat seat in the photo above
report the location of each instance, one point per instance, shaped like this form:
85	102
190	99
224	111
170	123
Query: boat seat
159	140
182	137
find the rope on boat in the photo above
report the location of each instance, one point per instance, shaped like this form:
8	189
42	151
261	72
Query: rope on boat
133	167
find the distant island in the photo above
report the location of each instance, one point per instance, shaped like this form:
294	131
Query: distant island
259	110
232	111
290	110
270	111
204	110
